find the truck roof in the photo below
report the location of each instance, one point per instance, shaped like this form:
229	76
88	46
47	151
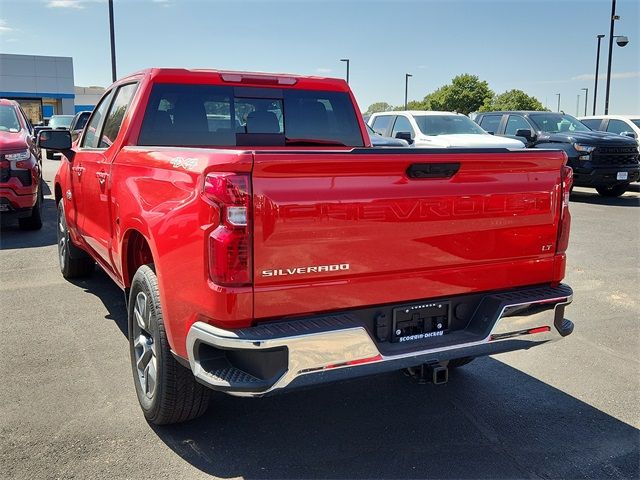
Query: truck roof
417	113
236	78
520	112
612	117
6	101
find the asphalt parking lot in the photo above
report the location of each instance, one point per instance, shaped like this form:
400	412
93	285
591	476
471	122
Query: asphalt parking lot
566	410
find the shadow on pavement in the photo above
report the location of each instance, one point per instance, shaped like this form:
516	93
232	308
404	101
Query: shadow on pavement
490	421
101	285
12	237
629	199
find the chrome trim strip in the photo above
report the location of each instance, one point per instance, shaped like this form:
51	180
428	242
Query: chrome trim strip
319	352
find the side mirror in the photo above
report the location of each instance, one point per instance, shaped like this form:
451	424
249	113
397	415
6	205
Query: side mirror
629	134
525	133
405	136
56	140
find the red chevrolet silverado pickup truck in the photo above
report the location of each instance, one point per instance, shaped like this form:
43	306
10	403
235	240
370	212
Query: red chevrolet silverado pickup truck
263	244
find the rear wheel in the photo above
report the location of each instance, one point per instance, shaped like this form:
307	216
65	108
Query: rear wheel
167	391
74	262
34	222
613	191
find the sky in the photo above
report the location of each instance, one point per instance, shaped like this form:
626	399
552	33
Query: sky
543	47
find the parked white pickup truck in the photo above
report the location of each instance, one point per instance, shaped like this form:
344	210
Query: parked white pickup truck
437	130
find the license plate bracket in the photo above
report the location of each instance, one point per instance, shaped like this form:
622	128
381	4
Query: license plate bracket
419	321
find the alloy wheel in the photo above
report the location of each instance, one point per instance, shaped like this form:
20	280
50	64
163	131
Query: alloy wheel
144	346
62	239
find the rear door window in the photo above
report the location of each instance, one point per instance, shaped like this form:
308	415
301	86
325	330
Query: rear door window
491	123
592	123
207	115
116	114
515	123
382	124
618	126
402	124
92	132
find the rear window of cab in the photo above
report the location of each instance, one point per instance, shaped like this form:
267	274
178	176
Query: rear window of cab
211	116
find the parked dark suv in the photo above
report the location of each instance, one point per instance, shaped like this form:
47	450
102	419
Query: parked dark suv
604	161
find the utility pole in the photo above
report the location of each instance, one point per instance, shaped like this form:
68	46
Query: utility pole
558	101
113	43
595	86
586	99
406	88
346	60
613	19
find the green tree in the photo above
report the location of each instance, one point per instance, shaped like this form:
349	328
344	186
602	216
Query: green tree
378	107
465	94
512	100
413	105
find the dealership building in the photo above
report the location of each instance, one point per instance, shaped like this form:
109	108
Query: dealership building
44	86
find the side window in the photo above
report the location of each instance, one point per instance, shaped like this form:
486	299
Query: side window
402	125
26	120
592	123
491	123
92	132
381	124
82	121
515	123
116	114
618	126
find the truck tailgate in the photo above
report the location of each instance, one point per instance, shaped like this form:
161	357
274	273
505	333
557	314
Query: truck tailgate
335	230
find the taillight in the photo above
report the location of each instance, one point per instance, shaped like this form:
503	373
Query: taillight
230	253
564	225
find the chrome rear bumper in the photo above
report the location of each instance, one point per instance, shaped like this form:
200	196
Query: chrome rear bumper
300	352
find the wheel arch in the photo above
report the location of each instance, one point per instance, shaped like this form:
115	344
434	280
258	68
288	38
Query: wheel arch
57	191
136	251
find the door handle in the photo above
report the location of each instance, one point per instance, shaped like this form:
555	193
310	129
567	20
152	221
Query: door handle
102	177
78	170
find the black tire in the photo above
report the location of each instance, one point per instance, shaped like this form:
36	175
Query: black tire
173	396
34	222
613	191
74	262
459	362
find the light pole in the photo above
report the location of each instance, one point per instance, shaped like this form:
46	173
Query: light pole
578	106
595	86
558	101
622	41
346	60
406	88
113	43
586	98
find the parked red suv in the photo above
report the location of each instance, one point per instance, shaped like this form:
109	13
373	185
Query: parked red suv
20	168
